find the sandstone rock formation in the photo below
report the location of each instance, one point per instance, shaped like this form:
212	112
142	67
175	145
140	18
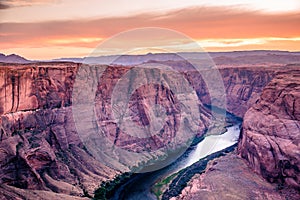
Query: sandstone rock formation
40	148
141	112
229	177
270	139
242	83
242	86
36	86
271	131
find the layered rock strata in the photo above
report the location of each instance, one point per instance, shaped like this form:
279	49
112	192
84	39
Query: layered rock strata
229	177
39	142
270	139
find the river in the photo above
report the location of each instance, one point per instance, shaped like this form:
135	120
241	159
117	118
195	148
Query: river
139	187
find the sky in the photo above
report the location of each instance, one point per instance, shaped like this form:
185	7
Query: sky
46	29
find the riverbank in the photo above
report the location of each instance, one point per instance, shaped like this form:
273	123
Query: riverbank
185	175
212	146
230	178
138	186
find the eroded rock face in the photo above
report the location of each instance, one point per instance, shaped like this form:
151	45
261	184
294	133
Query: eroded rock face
229	177
270	139
139	115
242	87
143	99
36	86
40	148
39	144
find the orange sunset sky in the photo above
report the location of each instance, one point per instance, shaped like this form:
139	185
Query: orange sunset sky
46	29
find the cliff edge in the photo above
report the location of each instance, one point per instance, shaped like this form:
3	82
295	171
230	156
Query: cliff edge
270	139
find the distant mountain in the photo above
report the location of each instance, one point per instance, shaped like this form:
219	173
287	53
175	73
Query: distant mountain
220	58
13	58
124	59
234	57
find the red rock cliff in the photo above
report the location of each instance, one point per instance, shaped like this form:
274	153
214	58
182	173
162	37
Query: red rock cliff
271	131
39	146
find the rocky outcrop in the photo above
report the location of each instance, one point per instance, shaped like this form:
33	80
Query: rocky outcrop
41	150
39	146
146	98
229	177
36	86
271	131
142	113
242	87
241	84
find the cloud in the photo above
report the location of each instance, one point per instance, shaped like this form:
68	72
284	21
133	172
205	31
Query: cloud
199	23
5	4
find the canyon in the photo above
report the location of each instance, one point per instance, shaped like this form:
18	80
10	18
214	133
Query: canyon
269	143
42	155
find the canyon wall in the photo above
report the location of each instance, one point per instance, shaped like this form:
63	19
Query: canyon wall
269	144
243	83
271	131
242	86
36	86
230	178
142	114
40	148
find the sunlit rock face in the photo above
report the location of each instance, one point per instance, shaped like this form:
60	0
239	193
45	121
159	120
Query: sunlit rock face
271	131
40	148
36	86
141	114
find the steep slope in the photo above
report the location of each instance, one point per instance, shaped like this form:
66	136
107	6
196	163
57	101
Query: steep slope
230	178
243	86
271	131
40	148
269	142
243	83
